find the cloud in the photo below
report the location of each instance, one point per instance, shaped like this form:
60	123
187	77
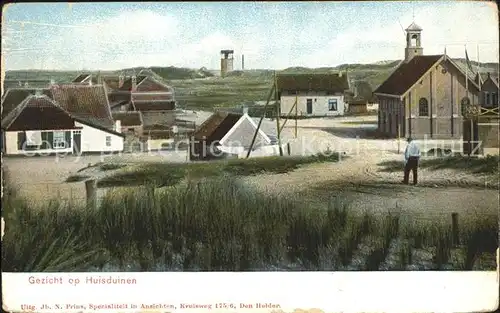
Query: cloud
272	35
453	26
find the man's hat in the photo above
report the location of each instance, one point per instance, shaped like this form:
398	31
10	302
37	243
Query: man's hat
409	139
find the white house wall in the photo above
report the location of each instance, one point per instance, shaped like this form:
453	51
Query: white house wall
11	147
242	135
94	140
319	104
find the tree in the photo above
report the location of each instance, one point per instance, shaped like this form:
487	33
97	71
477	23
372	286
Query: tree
364	90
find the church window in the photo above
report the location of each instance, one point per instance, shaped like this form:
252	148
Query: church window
464	103
423	107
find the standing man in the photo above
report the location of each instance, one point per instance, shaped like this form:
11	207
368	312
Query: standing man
412	156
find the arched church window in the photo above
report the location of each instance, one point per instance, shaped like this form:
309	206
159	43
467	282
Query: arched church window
464	104
423	107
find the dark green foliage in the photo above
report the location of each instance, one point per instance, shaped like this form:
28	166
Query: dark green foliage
486	165
169	174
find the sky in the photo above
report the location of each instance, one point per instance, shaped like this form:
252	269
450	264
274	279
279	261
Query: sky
271	35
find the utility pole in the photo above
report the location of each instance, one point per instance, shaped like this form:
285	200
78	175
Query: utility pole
276	97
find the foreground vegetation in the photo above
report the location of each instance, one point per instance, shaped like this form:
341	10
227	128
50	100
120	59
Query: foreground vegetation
217	225
477	165
169	174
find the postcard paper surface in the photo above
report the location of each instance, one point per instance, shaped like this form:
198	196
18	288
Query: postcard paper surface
253	156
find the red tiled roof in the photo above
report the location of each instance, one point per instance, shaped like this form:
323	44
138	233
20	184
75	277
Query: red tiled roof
127	84
158	134
153	96
407	74
313	82
216	126
151	84
129	118
38	112
118	104
112	82
13	97
119	96
154	106
86	102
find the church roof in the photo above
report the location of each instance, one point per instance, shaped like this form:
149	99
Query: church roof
414	26
407	74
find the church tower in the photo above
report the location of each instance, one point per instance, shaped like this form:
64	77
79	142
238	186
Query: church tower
413	42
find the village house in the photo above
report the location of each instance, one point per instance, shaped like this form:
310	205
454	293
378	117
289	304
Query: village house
61	119
358	106
488	121
315	94
425	96
489	90
148	95
131	122
132	127
226	135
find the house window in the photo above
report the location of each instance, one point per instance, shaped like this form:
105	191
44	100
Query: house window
292	92
423	107
332	105
464	104
487	98
108	141
494	98
58	140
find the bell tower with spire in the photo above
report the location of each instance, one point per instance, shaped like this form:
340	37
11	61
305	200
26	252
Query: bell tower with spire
413	41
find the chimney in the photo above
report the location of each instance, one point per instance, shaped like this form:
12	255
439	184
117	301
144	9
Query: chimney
99	78
121	80
118	126
489	75
38	92
340	74
245	109
134	83
52	82
26	84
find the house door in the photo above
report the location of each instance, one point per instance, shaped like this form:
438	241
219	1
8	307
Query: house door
309	104
398	126
390	124
77	142
471	137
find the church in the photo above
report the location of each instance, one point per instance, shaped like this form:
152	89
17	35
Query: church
425	97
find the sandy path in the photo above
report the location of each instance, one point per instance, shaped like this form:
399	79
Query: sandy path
360	179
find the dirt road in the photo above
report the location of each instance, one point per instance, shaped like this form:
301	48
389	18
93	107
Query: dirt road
361	179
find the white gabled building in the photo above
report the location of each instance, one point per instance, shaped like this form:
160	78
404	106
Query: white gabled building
63	119
315	94
229	134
